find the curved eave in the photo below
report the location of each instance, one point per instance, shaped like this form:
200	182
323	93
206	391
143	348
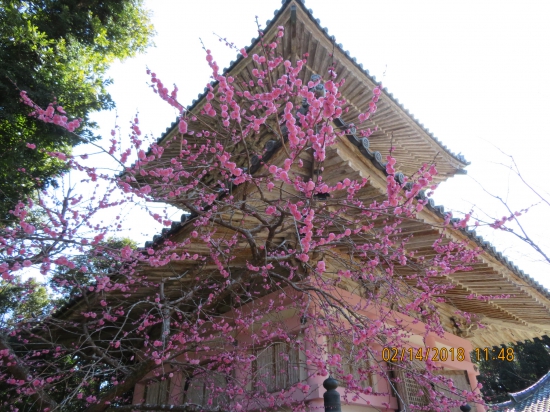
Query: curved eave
493	275
533	399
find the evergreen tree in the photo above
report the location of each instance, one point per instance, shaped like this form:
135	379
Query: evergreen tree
531	362
57	50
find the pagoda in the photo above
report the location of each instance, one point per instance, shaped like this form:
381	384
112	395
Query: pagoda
523	315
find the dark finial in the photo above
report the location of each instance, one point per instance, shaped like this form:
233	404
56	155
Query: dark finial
330	383
466	408
331	396
293	17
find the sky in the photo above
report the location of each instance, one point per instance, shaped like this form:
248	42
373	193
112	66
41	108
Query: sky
476	73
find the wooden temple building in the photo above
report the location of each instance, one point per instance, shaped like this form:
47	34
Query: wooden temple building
525	315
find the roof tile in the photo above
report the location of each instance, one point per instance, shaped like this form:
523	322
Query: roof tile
535	398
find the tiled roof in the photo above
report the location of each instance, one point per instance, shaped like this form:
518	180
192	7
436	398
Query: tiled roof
535	398
363	145
376	159
309	12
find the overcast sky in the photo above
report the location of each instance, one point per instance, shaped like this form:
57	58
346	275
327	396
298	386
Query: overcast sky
474	72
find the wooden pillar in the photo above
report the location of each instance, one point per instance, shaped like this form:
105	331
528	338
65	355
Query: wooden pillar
139	394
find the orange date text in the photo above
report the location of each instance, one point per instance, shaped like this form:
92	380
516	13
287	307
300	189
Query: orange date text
423	354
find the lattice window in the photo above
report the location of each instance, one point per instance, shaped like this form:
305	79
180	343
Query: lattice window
207	389
461	381
157	393
355	360
410	392
277	367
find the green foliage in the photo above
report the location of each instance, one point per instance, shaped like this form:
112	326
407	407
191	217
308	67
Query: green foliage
57	50
22	300
532	361
103	260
